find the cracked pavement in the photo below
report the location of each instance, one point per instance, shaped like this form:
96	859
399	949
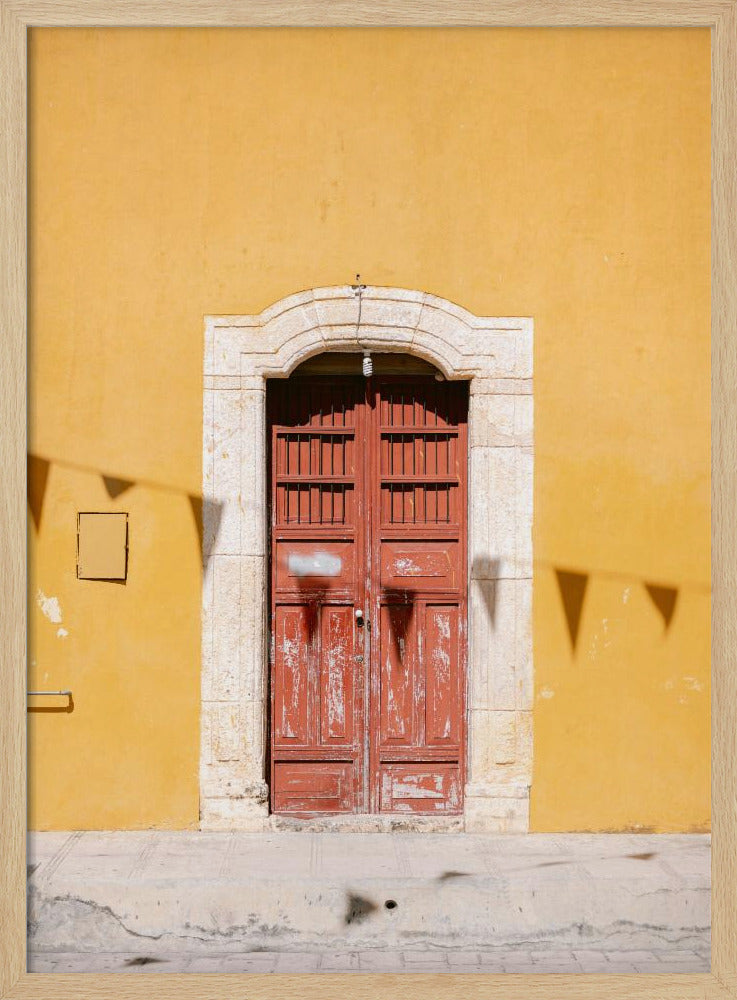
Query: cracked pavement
161	901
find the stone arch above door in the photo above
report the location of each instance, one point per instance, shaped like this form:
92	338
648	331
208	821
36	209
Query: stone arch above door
495	356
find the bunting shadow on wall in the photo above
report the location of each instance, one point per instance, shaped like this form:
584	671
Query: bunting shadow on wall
572	588
207	513
664	599
485	572
207	516
114	486
38	475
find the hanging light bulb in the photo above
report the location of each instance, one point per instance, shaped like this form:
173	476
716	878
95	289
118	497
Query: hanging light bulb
368	365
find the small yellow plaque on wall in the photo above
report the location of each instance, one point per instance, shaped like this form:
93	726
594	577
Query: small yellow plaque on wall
102	546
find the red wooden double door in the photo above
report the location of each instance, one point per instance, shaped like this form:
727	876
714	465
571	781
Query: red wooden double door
368	594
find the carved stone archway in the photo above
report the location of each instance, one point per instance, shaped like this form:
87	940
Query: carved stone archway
495	356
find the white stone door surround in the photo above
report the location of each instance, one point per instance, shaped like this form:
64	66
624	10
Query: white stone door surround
495	356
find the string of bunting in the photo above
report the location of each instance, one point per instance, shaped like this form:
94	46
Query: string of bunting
204	512
572	584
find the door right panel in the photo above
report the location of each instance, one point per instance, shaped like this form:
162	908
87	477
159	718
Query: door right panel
418	579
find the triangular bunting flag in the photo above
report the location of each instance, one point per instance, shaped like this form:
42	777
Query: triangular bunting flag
116	486
38	474
572	588
664	599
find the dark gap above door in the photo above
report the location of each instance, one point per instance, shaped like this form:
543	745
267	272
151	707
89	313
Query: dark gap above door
344	363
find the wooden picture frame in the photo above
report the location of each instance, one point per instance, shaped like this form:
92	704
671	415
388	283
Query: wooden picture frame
16	17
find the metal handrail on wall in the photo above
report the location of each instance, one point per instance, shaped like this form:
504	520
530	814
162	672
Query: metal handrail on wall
49	693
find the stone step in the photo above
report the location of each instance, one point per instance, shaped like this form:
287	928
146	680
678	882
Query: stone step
330	892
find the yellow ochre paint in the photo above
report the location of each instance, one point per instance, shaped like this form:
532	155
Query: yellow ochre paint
561	174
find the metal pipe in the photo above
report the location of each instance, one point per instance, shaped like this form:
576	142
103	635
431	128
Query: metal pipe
49	693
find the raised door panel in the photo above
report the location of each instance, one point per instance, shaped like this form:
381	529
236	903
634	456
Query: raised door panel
315	567
293	633
308	787
397	687
337	675
427	787
440	662
419	566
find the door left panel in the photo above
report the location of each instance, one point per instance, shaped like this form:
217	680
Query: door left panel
317	673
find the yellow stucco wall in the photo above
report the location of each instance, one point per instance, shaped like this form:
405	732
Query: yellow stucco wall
558	174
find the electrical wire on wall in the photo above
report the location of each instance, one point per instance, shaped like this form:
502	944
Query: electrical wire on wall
368	365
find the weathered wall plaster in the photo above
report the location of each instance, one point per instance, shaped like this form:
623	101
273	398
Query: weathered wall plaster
562	174
495	355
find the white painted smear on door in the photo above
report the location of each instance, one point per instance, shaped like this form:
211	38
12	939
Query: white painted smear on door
314	564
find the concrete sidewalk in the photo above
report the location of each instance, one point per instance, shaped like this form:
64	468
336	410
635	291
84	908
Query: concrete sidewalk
304	902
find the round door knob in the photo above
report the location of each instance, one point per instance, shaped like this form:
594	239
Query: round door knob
359	612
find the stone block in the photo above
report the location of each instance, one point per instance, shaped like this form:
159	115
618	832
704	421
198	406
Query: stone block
294	351
225	351
252	509
227	731
493	742
223	536
337	312
303	298
400	314
372	337
252	628
223	663
223	813
497	815
483	386
501	674
500	516
301	320
500	420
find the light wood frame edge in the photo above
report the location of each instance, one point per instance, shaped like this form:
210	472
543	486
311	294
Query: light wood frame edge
16	16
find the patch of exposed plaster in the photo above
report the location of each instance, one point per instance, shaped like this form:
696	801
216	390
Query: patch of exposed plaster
62	633
50	607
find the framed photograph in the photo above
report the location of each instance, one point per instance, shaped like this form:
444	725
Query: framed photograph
367	375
